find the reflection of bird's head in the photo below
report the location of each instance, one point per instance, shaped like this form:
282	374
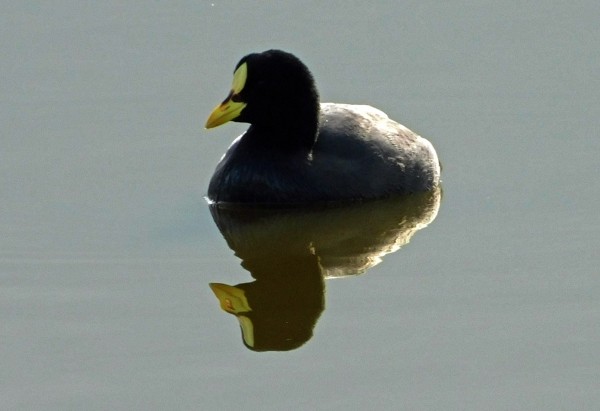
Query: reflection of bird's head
274	315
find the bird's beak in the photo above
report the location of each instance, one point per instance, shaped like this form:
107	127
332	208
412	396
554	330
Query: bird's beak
232	106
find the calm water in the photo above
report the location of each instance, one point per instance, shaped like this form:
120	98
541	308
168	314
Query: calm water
489	299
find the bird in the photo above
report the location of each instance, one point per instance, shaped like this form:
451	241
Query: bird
298	151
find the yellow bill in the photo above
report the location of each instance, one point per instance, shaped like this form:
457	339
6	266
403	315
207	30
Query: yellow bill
230	109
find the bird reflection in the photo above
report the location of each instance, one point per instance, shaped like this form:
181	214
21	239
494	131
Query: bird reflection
290	253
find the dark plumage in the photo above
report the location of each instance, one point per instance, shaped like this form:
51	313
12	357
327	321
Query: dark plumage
298	151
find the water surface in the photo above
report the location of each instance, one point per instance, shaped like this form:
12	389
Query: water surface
108	246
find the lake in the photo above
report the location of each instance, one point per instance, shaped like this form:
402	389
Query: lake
120	288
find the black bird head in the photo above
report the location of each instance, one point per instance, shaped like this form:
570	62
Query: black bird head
275	92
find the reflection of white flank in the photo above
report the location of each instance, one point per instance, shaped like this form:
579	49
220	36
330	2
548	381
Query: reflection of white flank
398	237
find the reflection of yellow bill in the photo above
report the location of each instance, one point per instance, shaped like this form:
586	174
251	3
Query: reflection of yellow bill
232	299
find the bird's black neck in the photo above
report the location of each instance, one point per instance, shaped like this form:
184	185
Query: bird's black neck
298	133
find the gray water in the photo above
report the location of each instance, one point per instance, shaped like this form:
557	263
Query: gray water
488	299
